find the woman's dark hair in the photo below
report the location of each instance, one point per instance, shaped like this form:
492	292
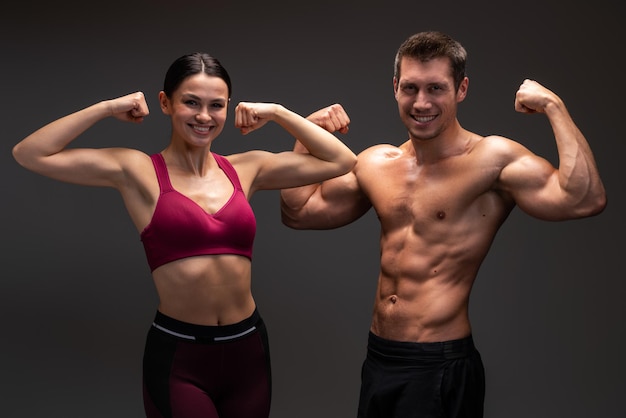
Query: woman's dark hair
191	64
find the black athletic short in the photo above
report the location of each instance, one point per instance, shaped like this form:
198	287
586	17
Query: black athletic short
422	380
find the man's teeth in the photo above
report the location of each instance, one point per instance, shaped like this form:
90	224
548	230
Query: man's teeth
424	119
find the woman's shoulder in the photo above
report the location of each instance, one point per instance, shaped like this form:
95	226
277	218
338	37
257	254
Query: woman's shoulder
251	156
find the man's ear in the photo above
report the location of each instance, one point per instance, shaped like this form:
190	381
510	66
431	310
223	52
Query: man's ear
462	91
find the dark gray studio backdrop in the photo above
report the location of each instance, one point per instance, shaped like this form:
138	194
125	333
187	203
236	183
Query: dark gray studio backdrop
76	297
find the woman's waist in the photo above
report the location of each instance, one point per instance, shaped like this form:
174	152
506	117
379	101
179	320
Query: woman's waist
205	292
207	310
192	331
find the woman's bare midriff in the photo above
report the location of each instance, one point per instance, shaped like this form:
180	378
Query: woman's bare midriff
206	290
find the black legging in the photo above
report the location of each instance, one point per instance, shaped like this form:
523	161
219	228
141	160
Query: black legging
207	371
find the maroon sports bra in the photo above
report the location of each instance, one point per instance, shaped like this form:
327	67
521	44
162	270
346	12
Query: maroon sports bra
180	228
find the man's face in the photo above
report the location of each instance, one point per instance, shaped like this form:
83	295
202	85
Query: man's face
427	99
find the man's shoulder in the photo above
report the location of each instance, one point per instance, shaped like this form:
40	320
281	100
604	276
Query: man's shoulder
380	152
497	145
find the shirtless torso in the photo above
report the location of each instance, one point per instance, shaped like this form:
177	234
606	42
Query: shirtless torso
437	223
441	197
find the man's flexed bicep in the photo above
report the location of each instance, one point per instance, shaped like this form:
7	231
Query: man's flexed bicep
331	204
574	189
537	188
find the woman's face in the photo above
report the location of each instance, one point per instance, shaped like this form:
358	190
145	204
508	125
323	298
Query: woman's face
197	109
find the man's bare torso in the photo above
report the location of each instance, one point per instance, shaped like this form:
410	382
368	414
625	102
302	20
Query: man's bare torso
438	220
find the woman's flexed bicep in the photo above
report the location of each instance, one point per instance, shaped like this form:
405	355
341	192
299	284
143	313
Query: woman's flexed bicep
105	167
45	150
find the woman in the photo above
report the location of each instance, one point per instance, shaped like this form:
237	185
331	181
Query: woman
207	351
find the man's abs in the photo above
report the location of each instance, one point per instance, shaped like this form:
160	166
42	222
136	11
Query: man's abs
406	309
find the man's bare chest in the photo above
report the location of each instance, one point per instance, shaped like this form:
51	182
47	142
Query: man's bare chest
423	197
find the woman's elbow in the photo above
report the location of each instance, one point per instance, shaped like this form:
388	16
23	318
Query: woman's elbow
346	165
19	155
27	159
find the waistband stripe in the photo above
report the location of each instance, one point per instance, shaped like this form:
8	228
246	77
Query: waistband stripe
177	334
232	337
193	338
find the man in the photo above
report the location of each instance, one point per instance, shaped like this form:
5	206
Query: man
441	197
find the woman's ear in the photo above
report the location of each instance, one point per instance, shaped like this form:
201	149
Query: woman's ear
164	102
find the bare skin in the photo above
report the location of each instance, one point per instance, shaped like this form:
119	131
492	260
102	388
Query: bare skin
205	290
441	197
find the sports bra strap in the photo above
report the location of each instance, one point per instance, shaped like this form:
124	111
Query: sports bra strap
161	171
229	170
164	178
